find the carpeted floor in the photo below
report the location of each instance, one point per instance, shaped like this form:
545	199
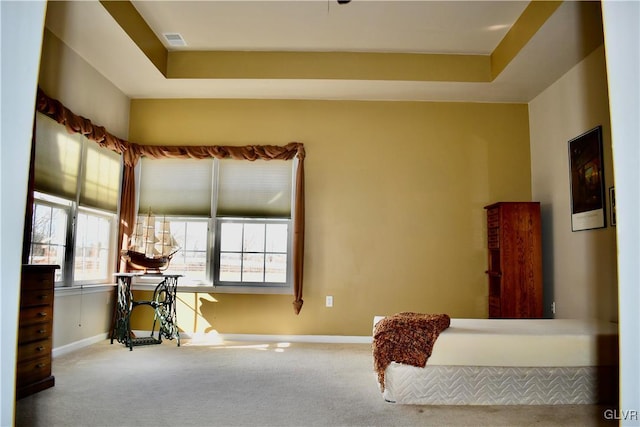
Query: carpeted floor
250	384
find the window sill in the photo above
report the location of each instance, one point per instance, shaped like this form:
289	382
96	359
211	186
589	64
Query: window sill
195	286
257	290
83	289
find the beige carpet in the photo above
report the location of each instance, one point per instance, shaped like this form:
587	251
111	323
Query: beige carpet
249	384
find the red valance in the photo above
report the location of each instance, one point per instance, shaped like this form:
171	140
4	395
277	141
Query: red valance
131	153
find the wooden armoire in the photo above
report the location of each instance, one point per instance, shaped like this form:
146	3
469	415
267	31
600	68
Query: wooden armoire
515	260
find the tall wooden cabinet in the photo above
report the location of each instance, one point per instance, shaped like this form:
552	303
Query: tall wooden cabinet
515	260
35	330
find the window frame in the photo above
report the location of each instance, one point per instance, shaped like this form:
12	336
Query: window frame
208	248
113	237
213	249
244	286
71	203
66	205
67	269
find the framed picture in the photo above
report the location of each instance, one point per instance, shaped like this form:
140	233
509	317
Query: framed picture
612	205
587	181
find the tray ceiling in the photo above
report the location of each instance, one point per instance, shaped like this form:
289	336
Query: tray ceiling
482	51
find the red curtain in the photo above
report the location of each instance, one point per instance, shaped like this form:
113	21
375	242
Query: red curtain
131	153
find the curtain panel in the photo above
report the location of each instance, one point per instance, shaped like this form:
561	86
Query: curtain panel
132	152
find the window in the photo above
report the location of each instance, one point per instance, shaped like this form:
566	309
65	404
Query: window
250	251
49	232
253	209
179	191
93	245
191	258
233	224
74	178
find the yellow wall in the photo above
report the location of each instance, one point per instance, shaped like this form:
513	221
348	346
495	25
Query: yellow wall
394	197
67	77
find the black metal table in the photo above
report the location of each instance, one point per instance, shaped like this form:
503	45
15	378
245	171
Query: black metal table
163	304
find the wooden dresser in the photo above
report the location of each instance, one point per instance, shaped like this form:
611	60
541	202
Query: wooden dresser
515	260
35	330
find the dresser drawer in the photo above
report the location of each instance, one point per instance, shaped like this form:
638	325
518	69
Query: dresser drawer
35	329
33	370
34	350
35	332
32	315
36	279
36	297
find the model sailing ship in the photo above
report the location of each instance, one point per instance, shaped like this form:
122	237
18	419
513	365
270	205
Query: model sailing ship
150	248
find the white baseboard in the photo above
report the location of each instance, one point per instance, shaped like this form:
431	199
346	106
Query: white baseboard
327	339
324	339
77	345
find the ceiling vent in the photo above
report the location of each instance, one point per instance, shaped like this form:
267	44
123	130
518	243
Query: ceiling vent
174	39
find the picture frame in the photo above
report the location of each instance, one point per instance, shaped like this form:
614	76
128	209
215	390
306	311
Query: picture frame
586	168
612	206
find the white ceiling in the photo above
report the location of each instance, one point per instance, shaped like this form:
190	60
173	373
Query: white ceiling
452	27
321	25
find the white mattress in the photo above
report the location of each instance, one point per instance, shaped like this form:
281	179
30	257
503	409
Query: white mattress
525	342
511	361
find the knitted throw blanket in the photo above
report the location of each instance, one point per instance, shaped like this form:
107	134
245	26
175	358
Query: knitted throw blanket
406	338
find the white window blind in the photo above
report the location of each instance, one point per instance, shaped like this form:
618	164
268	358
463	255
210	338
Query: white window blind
261	188
176	186
57	159
60	158
99	187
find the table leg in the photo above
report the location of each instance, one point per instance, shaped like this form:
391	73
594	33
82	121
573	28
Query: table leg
122	326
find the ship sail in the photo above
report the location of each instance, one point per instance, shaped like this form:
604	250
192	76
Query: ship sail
152	245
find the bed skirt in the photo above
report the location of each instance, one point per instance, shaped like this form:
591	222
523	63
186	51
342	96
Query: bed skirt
496	385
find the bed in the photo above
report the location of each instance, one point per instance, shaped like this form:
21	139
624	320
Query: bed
511	362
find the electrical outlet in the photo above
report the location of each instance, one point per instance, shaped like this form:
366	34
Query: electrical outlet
329	301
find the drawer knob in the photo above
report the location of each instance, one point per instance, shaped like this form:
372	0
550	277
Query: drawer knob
42	331
42	314
42	297
40	348
40	365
